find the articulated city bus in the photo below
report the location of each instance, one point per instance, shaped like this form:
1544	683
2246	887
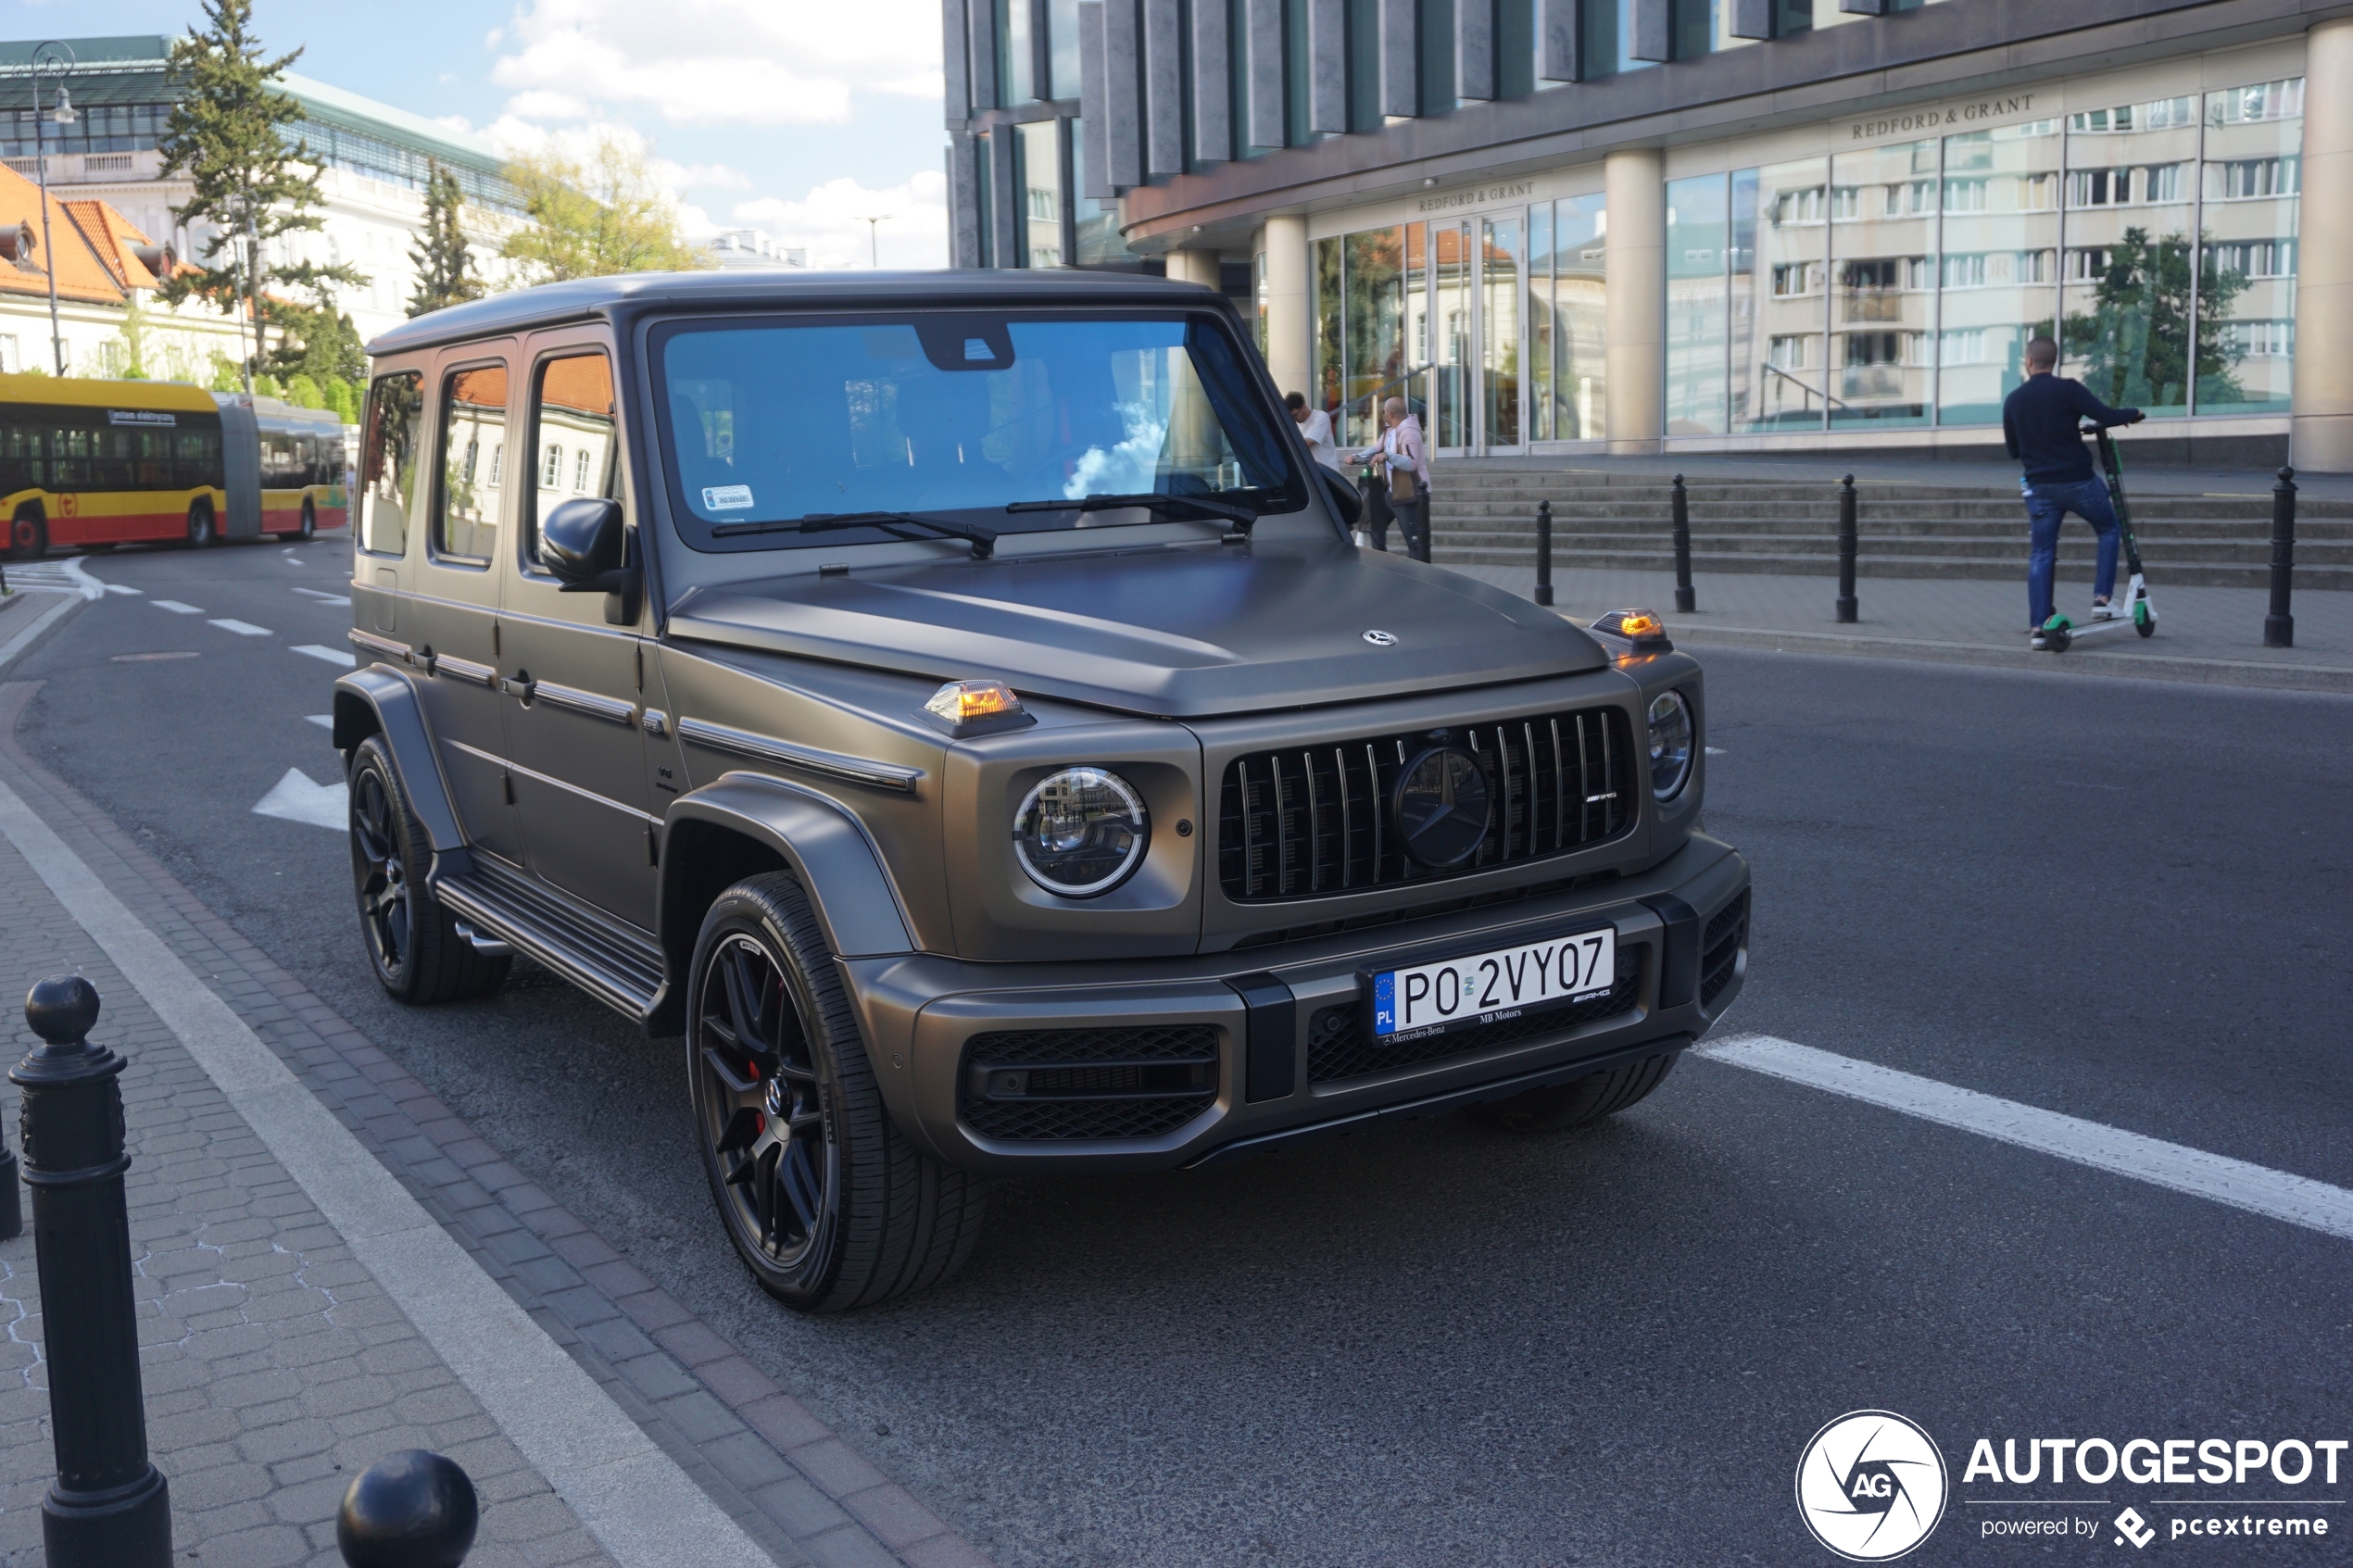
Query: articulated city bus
99	463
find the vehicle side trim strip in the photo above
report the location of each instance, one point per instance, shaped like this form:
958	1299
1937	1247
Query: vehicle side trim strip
612	709
398	653
807	758
465	670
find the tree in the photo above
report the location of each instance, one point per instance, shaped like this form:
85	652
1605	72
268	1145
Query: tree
443	266
596	220
250	187
2134	344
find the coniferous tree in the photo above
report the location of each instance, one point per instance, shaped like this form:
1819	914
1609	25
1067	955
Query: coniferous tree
251	186
444	268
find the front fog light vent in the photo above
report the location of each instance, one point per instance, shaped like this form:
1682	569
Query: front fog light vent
1050	1085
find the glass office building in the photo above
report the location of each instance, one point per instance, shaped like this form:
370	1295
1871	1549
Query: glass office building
1421	194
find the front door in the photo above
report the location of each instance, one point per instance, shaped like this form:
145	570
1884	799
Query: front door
575	684
452	609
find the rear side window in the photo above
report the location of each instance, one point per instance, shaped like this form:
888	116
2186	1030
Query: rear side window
391	435
574	430
473	445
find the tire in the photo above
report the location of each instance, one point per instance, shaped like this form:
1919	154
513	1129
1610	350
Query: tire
202	531
28	533
412	940
2142	622
1578	1103
309	529
824	1198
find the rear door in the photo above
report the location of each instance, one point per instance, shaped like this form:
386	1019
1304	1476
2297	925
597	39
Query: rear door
576	747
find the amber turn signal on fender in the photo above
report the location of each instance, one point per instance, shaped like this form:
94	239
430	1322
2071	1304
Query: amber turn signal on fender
1642	628
964	709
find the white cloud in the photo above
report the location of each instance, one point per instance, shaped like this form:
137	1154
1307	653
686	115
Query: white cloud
700	176
830	221
719	62
541	104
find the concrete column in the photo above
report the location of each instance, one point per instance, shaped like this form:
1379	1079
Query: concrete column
1193	267
1290	358
1634	187
2321	428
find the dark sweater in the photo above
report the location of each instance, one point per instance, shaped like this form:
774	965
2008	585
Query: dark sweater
2039	423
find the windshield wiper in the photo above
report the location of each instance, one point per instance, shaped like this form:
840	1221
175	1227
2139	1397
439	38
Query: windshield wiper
983	540
1191	508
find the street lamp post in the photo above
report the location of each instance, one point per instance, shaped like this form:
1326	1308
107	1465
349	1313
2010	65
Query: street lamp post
874	245
60	58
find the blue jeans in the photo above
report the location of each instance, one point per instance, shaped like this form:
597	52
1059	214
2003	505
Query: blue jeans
2047	504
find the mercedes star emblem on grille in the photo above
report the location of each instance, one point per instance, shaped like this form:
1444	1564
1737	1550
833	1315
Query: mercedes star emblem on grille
1441	806
1382	639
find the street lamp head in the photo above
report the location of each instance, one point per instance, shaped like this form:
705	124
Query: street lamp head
63	114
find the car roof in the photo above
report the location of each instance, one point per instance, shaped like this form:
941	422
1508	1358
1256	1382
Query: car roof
550	304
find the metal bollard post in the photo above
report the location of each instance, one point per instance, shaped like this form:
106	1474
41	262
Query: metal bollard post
1544	552
1846	605
1686	600
409	1509
2279	627
109	1507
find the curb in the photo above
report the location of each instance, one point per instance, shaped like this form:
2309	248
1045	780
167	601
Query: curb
2136	665
817	1500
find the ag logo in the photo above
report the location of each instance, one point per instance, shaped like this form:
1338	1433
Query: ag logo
1871	1486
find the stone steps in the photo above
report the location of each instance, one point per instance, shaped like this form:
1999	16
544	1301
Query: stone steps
1703	564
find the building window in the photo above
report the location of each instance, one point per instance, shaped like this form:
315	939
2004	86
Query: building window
1062	39
552	467
1787	352
580	473
2245	278
1038	166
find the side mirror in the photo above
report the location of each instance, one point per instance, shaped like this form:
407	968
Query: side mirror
1343	494
584	545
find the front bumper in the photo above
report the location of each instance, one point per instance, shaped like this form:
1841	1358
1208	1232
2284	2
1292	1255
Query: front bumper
1234	1051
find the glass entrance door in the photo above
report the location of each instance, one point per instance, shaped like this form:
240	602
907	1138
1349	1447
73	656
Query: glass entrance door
1501	262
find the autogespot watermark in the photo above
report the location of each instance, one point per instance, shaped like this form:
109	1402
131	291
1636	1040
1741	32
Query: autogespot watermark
1872	1485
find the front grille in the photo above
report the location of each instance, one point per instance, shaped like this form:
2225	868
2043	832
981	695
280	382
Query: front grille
1297	823
1720	947
1336	1048
1043	1085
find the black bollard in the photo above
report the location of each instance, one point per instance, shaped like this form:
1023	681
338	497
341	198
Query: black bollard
409	1509
1846	605
1686	600
2279	627
109	1507
1544	552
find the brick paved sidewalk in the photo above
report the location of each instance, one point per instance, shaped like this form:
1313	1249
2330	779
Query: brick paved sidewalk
277	1362
2204	635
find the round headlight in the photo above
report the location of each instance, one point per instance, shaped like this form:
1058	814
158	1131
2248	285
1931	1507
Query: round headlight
1080	832
1670	744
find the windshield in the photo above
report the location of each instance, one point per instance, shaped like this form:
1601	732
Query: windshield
956	415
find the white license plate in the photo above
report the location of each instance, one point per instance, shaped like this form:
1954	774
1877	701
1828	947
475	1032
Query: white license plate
1488	988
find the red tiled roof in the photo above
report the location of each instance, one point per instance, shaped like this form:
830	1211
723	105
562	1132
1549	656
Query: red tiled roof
111	235
81	275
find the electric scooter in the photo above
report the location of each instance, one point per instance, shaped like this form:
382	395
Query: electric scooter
2136	612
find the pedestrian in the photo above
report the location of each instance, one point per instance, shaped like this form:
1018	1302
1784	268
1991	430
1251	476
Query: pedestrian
1405	464
2040	426
1316	429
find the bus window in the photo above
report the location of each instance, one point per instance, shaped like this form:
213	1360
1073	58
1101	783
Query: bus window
390	438
572	409
473	415
21	455
155	458
69	458
307	460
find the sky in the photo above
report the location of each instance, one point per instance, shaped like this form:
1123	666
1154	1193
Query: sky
798	117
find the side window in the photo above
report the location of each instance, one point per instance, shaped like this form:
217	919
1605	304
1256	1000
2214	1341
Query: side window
571	415
391	436
474	426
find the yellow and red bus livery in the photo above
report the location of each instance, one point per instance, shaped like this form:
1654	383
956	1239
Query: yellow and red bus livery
96	463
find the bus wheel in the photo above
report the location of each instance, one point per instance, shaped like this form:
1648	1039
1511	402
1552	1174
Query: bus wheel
200	531
309	529
28	533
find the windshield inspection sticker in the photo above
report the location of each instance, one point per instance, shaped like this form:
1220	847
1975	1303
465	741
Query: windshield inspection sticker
727	498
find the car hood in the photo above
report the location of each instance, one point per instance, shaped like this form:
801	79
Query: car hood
1176	632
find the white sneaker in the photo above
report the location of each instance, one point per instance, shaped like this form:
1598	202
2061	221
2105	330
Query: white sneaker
2109	611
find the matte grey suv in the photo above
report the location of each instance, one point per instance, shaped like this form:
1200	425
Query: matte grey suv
953	703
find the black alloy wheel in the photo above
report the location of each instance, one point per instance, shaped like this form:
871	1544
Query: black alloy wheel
28	533
412	941
200	524
826	1201
763	1114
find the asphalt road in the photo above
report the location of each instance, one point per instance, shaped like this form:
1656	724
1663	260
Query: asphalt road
1444	1345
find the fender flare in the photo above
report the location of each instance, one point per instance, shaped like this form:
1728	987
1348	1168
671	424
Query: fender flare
376	700
829	849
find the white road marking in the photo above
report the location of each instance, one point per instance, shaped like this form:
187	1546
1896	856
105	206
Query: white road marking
242	627
296	799
317	593
123	588
175	607
2257	1188
333	655
324	721
63	576
643	1509
1718	751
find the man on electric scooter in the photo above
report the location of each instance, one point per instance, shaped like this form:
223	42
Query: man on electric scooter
2040	427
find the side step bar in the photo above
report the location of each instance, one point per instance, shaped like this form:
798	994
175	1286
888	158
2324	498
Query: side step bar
619	969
